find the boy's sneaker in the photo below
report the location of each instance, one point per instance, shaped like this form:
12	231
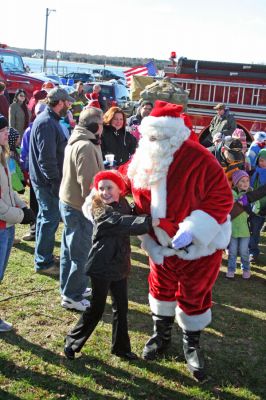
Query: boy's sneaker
75	305
246	275
87	292
5	326
230	274
29	237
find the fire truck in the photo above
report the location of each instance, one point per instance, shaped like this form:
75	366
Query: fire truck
13	73
242	87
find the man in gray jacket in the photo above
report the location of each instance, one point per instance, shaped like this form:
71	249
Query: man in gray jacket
83	159
223	122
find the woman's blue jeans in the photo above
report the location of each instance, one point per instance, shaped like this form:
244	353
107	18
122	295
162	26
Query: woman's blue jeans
6	242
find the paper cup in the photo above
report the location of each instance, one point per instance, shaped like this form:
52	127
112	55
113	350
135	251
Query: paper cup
110	158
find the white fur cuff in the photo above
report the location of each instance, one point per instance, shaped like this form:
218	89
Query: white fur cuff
160	307
193	322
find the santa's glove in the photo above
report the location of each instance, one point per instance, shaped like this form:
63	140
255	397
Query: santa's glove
29	216
243	200
182	239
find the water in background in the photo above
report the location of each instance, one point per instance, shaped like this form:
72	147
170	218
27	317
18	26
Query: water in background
65	67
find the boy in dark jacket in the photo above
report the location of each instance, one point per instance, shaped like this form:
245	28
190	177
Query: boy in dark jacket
109	263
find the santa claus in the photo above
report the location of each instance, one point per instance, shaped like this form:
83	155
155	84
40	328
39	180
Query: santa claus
175	179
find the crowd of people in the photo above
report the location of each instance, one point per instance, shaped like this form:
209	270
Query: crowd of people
80	160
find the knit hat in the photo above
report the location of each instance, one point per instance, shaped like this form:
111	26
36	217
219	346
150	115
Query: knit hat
39	94
13	135
237	175
111	175
240	134
3	122
260	137
262	154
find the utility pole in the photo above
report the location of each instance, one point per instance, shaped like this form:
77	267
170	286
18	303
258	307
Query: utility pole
48	12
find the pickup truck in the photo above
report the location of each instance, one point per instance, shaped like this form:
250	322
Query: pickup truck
14	74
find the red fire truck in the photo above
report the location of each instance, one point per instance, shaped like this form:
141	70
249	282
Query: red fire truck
242	87
13	73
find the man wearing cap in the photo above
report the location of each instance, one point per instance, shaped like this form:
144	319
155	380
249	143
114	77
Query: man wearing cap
46	156
83	159
80	100
223	121
178	181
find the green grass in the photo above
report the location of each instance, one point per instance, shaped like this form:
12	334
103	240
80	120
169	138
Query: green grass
33	367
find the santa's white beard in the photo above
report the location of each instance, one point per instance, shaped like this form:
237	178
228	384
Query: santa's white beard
151	162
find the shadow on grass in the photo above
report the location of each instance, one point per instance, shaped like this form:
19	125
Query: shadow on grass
24	246
8	396
51	384
108	376
137	387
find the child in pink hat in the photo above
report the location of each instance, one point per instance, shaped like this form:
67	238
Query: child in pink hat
239	243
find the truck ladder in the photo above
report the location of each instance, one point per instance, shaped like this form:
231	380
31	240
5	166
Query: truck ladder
236	95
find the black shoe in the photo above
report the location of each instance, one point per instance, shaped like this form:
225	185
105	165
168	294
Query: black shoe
127	356
69	353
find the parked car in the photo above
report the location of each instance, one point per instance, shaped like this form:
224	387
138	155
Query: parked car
79	76
106	75
116	94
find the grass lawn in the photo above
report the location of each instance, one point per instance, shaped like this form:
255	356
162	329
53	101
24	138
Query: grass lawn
33	367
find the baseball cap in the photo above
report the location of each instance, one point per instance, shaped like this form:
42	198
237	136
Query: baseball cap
58	94
219	106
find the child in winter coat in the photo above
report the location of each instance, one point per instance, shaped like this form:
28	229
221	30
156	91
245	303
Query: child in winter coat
239	243
17	177
12	209
257	219
109	262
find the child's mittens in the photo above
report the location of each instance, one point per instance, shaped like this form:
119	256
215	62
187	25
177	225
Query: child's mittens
243	200
182	239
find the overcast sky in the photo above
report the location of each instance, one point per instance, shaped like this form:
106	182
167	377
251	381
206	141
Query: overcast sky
227	30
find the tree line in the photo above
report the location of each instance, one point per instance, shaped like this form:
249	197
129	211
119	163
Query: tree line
92	59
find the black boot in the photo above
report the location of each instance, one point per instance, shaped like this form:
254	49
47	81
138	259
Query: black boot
161	339
193	354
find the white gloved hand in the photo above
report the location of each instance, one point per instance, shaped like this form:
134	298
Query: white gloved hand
182	239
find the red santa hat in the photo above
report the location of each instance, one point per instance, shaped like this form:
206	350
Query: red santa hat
110	175
165	122
164	109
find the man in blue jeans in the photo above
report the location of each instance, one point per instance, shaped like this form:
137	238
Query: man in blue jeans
46	156
83	159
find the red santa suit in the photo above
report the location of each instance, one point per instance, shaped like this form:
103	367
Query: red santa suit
177	180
